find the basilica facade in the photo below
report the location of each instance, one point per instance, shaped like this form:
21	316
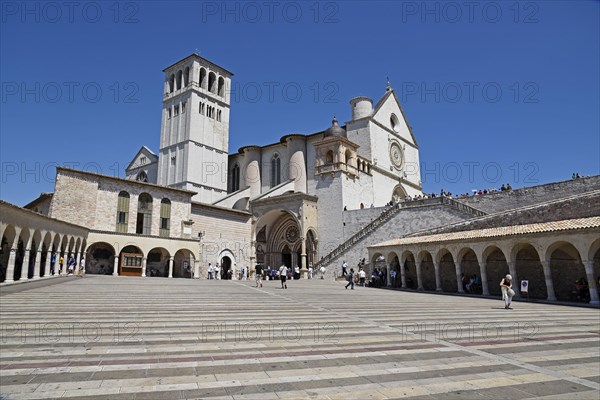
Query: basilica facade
196	202
296	188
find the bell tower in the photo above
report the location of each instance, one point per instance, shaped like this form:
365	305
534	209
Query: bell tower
194	135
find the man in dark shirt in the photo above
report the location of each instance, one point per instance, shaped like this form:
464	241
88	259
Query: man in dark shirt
258	274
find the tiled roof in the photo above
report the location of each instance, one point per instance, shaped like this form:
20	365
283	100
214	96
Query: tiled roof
553	226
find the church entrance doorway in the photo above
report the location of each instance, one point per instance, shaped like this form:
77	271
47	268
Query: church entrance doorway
286	257
226	271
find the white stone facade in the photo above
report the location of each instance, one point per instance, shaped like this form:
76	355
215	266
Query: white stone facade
368	162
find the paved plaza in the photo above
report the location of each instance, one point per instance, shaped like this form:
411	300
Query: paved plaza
158	338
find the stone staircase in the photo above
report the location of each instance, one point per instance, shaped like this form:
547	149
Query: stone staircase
465	212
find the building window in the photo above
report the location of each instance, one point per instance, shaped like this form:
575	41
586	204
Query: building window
169	113
173	159
394	123
183	107
221	87
186	76
275	170
219	115
176	113
329	157
203	82
235	178
212	82
171	83
165	218
143	160
142	177
122	212
144	214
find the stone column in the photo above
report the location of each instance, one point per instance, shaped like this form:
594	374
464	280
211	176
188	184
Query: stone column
549	284
170	267
77	258
419	279
38	263
403	275
438	280
25	266
56	265
512	269
144	267
303	265
116	266
458	277
47	263
589	271
196	269
66	264
10	268
389	276
483	274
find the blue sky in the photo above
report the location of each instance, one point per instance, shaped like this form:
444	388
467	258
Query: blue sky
496	92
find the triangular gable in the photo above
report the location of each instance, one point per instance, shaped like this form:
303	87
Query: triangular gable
143	151
384	120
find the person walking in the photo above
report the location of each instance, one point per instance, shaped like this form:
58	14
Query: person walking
218	272
507	291
283	271
81	271
362	275
344	268
350	279
322	270
310	271
71	264
258	275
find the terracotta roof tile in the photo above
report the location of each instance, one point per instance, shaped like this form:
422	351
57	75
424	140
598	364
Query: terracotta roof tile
553	226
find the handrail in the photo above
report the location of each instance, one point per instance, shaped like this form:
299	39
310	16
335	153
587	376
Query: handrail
386	215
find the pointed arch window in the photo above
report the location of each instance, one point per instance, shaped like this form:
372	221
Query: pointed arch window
122	212
165	218
212	82
221	87
171	83
235	178
203	82
142	176
275	170
186	77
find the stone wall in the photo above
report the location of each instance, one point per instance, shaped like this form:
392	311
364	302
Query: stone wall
221	230
74	198
503	201
408	220
570	208
91	200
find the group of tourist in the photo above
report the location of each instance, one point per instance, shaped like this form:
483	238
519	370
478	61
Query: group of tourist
71	266
352	277
283	274
581	290
471	284
444	194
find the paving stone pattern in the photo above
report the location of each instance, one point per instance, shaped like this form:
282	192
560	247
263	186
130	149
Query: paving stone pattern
131	338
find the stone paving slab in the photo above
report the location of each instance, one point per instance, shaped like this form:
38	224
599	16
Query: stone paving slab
131	338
